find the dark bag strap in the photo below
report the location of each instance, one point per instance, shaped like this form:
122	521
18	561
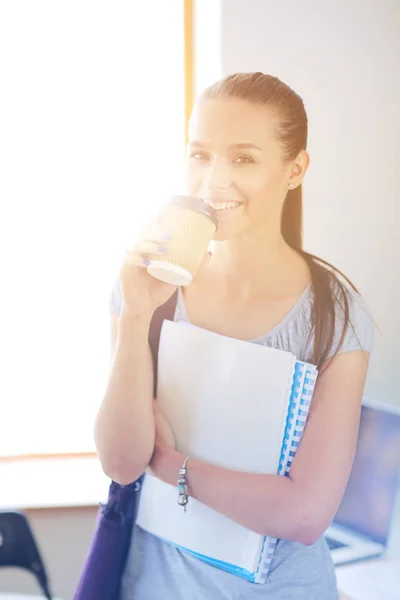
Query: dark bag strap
165	311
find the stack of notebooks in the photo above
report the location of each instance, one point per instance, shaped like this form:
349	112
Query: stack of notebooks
234	404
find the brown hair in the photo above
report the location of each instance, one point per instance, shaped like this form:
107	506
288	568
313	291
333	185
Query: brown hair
329	291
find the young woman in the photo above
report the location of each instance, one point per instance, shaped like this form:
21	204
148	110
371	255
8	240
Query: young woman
247	157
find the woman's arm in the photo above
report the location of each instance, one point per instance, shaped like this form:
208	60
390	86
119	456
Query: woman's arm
299	507
124	428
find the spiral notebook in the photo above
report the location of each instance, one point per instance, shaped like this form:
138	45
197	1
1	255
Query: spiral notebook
233	404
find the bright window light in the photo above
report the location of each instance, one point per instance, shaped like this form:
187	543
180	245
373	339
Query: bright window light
92	141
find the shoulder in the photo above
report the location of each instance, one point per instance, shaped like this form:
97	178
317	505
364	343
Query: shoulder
360	330
359	333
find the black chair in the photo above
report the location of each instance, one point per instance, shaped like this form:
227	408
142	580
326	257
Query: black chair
19	549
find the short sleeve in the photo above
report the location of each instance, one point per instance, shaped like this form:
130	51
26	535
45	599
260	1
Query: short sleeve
115	302
360	334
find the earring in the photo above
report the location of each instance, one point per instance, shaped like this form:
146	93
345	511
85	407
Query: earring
291	185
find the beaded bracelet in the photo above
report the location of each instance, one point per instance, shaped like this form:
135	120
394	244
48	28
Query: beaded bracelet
183	497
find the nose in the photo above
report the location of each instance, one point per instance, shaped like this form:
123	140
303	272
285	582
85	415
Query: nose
217	176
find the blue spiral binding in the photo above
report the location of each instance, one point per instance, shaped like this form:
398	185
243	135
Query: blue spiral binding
300	401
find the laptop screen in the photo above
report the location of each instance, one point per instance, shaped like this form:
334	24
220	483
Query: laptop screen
367	504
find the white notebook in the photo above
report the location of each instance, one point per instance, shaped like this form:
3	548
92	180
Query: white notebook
233	404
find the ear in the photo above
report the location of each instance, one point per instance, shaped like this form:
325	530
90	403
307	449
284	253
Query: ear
299	168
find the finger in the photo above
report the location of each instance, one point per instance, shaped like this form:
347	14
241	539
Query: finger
135	260
145	247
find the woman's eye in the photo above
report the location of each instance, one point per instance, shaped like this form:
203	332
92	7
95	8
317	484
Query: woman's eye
198	156
242	160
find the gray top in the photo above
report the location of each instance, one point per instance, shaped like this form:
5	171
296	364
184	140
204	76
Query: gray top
158	570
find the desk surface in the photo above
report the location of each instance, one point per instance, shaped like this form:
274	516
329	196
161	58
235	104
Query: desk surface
370	580
377	579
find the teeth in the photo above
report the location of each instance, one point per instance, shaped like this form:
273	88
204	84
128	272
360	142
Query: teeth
224	205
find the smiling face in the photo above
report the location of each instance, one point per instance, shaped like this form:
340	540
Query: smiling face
235	163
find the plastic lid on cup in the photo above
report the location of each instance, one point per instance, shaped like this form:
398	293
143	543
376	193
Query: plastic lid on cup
170	273
196	204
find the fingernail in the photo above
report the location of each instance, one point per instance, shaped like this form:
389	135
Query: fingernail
162	250
146	262
166	236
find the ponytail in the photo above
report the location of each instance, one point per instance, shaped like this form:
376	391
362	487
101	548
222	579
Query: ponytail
324	282
292	218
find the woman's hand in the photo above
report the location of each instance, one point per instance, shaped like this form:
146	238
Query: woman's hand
141	293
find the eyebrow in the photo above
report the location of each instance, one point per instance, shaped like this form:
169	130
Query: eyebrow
241	146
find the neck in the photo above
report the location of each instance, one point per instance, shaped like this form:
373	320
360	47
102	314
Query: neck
255	260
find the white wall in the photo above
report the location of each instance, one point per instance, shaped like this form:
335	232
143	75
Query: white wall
341	58
208	42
